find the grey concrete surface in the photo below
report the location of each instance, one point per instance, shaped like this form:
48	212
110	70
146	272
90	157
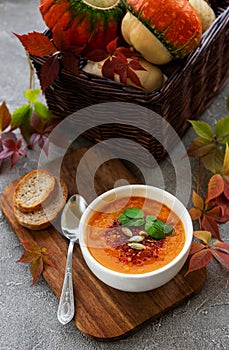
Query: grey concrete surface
28	314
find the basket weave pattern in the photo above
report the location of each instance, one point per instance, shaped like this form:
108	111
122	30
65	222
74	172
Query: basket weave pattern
186	94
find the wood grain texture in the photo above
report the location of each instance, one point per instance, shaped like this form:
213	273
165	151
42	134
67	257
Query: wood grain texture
102	312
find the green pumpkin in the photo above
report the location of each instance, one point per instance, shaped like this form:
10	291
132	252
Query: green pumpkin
86	23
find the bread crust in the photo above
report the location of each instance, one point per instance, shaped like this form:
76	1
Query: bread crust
29	194
43	217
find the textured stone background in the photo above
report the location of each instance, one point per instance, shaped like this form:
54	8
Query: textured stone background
28	314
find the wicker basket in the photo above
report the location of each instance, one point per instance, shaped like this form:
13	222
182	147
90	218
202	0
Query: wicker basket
186	94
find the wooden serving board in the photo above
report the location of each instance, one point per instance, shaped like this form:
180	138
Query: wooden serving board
102	312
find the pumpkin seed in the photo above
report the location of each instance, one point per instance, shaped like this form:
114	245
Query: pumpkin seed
137	246
127	231
143	233
136	239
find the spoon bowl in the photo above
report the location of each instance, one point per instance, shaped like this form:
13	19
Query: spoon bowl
70	218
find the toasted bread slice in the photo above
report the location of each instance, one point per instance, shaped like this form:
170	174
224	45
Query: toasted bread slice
34	190
42	218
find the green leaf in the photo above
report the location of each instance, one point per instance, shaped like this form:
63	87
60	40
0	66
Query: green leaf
222	127
134	213
31	95
42	111
151	218
21	116
155	230
138	222
202	129
224	141
213	161
123	219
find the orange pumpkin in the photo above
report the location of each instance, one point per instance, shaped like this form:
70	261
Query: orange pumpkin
172	27
86	23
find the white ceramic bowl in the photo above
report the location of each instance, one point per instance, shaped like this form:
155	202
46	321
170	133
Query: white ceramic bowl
144	281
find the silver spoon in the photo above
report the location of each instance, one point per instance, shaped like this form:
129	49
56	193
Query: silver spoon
70	218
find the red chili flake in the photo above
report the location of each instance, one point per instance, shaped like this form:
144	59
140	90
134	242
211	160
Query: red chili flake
115	238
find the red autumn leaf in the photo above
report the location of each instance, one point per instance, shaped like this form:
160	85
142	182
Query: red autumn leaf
97	55
108	69
12	148
221	245
127	52
209	224
49	71
197	201
221	257
214	212
60	39
70	62
37	257
226	189
5	117
37	44
133	77
135	65
36	268
215	187
41	131
222	203
124	69
195	213
196	247
112	46
223	218
199	260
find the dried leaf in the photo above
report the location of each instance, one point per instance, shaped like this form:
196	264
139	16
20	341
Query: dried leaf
200	147
196	247
195	213
37	44
202	129
5	117
199	260
49	71
204	236
209	224
215	187
37	257
197	201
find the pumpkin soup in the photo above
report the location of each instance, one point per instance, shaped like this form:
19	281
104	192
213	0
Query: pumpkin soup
134	235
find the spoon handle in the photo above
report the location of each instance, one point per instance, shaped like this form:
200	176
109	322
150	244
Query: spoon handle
66	307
